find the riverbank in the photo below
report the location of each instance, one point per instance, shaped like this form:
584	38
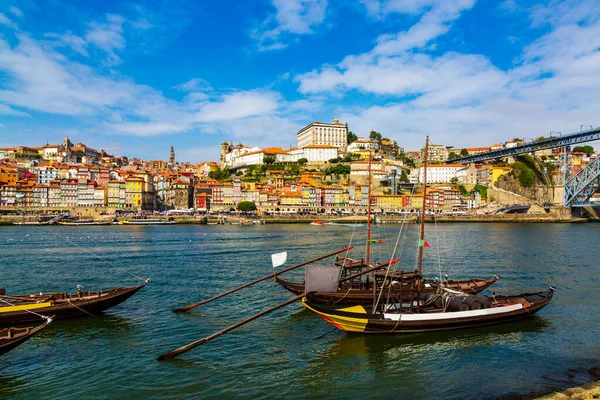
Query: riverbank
586	392
386	219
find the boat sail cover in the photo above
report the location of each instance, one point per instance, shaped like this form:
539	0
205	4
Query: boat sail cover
321	279
279	259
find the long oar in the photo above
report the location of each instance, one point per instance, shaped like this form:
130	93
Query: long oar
186	308
197	343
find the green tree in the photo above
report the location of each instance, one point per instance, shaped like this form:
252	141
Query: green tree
351	137
454	180
268	160
589	150
302	161
452	155
334	160
406	160
527	177
220	174
404	177
339	169
294	169
374	135
464	152
246	206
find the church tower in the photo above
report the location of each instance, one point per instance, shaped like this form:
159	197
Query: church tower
224	151
172	157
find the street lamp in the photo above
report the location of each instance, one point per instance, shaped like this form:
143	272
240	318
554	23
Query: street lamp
582	125
559	133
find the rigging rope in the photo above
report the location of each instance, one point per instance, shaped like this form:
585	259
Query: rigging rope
97	256
437	245
29	311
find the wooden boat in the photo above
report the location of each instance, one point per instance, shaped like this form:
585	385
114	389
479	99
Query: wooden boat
12	337
60	305
401	306
364	295
147	222
363	319
83	222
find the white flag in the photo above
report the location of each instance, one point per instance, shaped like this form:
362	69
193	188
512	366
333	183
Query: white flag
279	259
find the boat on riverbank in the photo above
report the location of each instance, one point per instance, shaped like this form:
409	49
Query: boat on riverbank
149	221
25	308
86	222
13	337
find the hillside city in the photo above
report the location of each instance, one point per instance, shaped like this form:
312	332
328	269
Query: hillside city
328	170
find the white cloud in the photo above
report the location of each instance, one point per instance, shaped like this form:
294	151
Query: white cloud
74	42
389	68
15	11
381	8
194	85
239	105
41	79
432	24
4	20
463	99
291	17
108	36
6	110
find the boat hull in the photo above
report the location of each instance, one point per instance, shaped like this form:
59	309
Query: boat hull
84	223
62	306
365	296
358	319
13	337
149	222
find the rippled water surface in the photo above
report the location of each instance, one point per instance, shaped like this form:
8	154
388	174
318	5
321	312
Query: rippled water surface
292	353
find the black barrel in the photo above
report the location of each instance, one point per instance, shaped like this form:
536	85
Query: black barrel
457	304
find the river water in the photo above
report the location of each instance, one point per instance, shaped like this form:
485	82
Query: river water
292	353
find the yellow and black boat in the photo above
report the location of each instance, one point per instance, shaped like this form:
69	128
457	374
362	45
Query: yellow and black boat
19	309
432	313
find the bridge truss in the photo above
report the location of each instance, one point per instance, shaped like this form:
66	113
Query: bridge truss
561	141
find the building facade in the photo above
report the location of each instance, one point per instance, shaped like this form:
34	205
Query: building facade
333	134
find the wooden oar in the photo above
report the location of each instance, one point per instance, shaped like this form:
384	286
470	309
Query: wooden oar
197	343
186	308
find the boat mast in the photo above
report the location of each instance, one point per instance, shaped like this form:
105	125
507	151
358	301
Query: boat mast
369	233
368	257
422	234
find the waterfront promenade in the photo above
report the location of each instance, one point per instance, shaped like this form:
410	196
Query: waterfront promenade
305	219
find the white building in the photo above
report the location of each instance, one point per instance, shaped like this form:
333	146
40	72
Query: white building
319	133
362	144
436	153
51	152
441	173
320	152
467	175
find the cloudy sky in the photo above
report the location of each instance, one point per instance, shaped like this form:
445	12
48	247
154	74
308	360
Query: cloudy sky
144	75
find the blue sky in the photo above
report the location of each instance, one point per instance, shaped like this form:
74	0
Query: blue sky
144	75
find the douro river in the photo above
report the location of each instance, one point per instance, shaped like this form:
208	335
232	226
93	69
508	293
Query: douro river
292	353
